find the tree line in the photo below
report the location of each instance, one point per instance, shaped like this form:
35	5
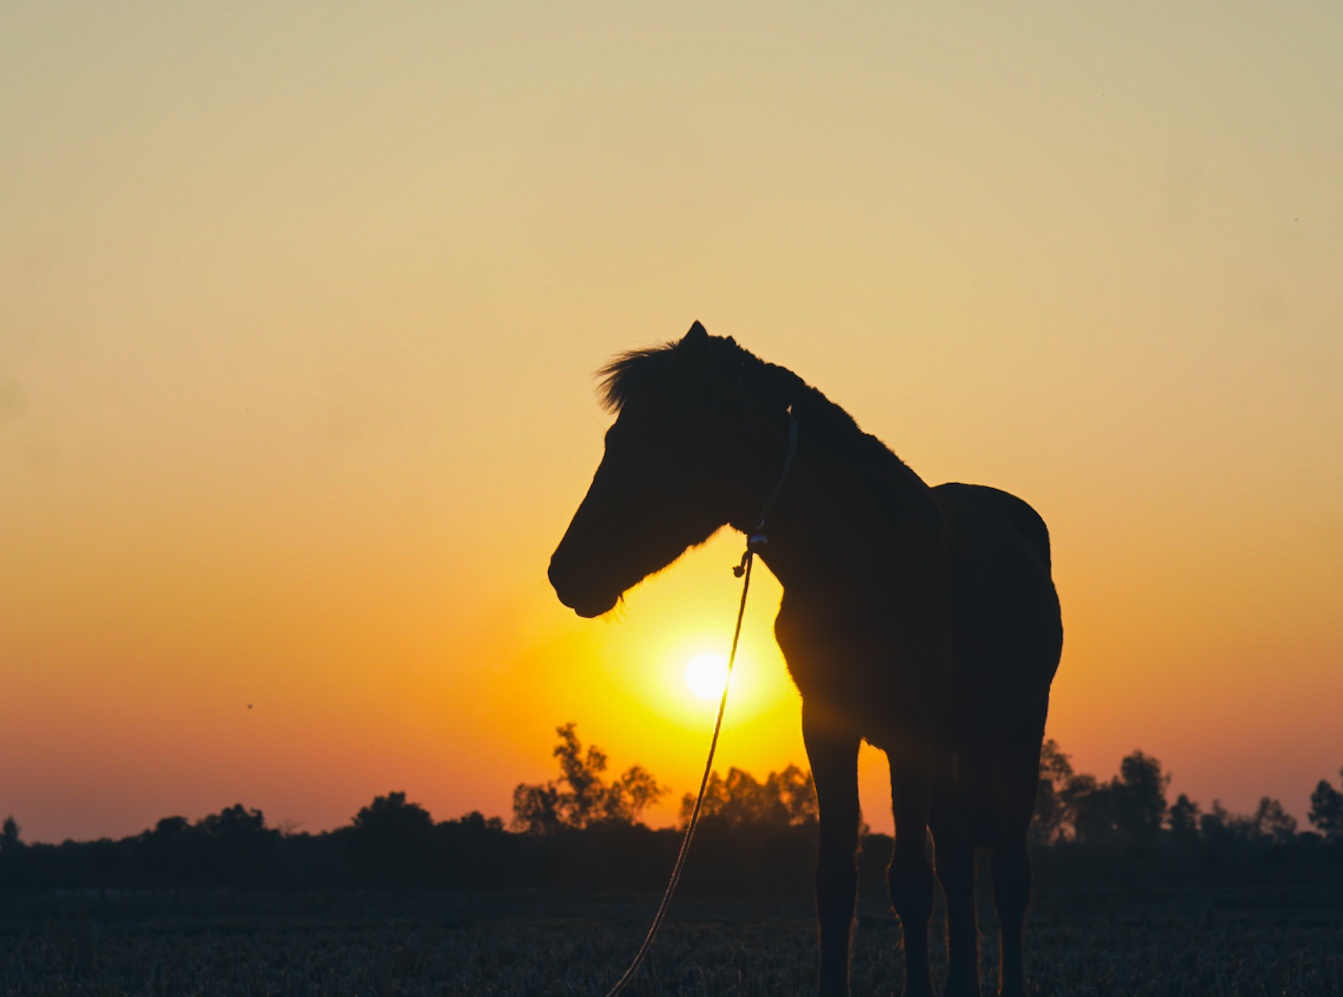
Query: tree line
583	831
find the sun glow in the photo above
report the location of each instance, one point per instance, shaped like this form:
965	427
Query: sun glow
706	674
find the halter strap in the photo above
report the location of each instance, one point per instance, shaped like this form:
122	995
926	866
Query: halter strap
758	534
757	538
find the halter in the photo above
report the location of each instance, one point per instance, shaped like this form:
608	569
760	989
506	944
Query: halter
757	538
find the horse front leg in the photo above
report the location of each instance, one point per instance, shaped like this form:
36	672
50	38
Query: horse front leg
911	874
834	767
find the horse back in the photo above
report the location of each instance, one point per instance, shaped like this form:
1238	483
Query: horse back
1006	622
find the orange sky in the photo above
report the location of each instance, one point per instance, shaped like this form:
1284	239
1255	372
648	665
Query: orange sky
299	310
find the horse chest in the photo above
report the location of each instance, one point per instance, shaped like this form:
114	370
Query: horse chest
877	667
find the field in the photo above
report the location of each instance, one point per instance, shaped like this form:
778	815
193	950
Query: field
65	949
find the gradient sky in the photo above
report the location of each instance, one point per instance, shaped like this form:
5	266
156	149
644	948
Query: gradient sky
300	303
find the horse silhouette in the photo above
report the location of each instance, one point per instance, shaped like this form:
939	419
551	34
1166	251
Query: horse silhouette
923	620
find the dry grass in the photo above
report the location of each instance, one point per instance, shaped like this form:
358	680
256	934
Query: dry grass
1186	955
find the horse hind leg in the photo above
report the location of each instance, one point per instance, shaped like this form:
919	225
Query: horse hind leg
962	792
1017	774
955	860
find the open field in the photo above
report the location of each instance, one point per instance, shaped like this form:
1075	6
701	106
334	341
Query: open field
261	953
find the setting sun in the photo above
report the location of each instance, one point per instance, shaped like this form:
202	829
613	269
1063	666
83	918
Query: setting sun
706	674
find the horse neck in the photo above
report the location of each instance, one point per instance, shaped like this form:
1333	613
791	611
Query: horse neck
850	507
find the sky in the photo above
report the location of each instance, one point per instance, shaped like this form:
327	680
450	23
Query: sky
300	306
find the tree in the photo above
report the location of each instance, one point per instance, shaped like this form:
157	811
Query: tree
477	823
170	853
630	795
1138	797
1051	809
797	791
389	840
582	796
1130	807
235	823
1270	822
536	808
1219	825
1326	809
1087	802
784	798
1182	817
9	836
235	847
583	775
391	817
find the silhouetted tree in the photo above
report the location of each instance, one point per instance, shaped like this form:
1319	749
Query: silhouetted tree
1270	822
169	853
10	841
1051	807
1087	805
476	852
1130	807
235	823
1326	809
582	796
582	774
389	841
536	808
392	817
1138	797
630	795
784	798
11	853
1219	825
478	823
1182	818
235	847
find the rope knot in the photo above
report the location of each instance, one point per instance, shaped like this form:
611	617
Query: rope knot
740	567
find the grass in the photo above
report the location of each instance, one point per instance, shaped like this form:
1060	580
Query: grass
258	955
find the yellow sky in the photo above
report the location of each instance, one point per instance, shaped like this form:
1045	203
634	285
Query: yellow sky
299	307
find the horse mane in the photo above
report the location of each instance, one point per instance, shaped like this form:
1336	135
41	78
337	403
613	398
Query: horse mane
639	372
633	372
863	467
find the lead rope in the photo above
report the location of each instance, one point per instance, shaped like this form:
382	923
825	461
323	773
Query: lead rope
742	571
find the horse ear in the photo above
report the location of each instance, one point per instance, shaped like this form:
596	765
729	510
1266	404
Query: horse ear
693	351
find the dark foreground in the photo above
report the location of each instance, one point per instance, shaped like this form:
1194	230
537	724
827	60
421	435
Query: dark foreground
78	946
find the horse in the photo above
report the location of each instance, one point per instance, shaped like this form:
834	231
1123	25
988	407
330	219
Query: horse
921	619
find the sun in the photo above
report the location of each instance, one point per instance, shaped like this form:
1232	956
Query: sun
706	674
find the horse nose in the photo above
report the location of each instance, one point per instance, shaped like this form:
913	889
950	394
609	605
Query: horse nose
560	577
574	588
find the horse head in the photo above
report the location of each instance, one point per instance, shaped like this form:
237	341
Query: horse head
682	459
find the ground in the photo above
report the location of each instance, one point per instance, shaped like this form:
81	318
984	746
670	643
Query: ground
85	946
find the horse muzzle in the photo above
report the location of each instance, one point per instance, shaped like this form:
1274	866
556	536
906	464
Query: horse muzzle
584	599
